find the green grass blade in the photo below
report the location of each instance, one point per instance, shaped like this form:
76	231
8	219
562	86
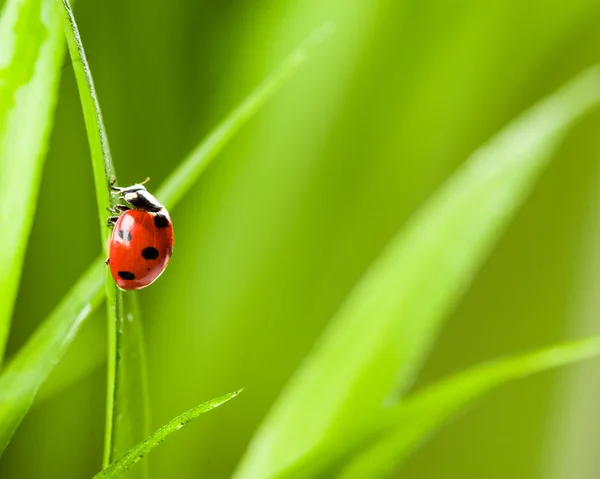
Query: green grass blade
52	338
22	377
135	454
132	421
421	415
124	426
102	164
30	60
182	179
380	336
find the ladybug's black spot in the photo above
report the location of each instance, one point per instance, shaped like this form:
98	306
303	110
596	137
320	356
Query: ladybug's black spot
161	221
126	275
149	252
125	235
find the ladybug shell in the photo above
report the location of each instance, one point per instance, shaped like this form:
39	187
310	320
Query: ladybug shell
140	247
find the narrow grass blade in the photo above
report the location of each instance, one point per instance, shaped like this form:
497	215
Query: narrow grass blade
30	59
421	415
22	377
125	344
380	336
102	164
135	454
183	178
132	408
50	341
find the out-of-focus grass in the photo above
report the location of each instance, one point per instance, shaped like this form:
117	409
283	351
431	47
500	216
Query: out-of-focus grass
420	415
383	332
31	50
274	235
23	376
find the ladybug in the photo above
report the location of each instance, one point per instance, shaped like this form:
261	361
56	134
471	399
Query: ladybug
142	239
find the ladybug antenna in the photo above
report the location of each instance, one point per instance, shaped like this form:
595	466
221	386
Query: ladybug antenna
145	181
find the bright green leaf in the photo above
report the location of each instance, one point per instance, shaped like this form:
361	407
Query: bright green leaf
30	59
127	408
132	408
102	164
420	415
184	177
135	454
23	376
49	343
380	336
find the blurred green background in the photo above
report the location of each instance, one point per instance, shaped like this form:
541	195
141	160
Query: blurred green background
276	233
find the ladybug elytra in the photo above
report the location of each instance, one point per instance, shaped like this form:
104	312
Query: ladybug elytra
142	240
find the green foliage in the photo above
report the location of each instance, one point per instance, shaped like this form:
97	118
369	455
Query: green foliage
131	407
30	59
135	454
381	335
21	379
184	177
278	232
127	412
128	386
102	163
420	415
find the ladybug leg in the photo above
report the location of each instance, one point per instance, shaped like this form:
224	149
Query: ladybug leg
118	209
111	221
107	261
112	184
115	189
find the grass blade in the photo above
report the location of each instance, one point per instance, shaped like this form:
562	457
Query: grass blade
51	339
125	425
102	164
30	60
135	454
23	376
422	414
379	337
182	179
132	408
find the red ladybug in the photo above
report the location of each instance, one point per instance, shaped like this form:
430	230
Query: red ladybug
142	241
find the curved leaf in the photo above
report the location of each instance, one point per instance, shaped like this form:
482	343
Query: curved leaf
423	413
30	59
380	336
135	454
22	377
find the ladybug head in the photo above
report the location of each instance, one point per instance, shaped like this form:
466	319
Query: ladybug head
132	189
138	197
132	193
